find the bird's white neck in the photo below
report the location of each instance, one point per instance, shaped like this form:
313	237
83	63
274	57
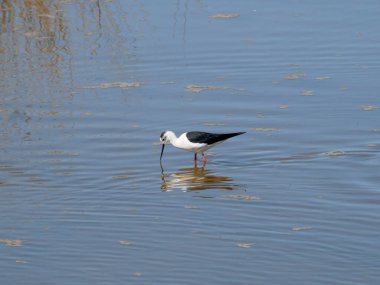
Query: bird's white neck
172	137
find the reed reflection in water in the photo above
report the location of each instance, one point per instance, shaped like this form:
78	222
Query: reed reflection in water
48	49
195	179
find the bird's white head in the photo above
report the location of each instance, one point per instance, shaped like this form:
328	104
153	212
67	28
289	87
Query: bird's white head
167	137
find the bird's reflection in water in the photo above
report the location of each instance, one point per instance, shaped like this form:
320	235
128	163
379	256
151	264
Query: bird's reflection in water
193	179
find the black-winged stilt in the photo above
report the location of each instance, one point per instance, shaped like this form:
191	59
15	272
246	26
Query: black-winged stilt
196	142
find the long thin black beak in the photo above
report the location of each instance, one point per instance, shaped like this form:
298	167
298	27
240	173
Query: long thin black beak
162	151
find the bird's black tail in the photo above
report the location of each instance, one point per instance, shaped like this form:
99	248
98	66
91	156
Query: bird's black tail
231	135
222	137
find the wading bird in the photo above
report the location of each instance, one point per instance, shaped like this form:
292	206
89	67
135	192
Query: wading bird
196	142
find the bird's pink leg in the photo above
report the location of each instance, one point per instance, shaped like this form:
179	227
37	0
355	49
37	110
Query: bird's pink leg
204	159
195	159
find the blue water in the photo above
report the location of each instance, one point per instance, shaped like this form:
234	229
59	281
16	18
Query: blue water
88	86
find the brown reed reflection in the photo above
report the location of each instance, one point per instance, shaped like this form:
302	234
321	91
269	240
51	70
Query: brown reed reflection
194	179
32	26
38	38
49	48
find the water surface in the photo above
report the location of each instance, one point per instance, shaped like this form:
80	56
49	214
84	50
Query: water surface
88	86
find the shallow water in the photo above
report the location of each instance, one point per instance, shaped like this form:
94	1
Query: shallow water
88	86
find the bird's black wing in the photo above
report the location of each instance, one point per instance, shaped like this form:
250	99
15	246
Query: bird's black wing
203	137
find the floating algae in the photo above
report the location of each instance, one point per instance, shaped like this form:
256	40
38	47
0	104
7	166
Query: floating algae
197	89
214	124
241	197
124	242
224	16
121	85
11	242
245	245
368	108
261	130
294	76
307	93
298	229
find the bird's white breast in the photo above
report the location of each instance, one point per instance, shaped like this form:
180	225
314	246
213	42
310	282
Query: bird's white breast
183	143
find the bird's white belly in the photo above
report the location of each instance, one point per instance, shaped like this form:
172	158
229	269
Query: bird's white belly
185	144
